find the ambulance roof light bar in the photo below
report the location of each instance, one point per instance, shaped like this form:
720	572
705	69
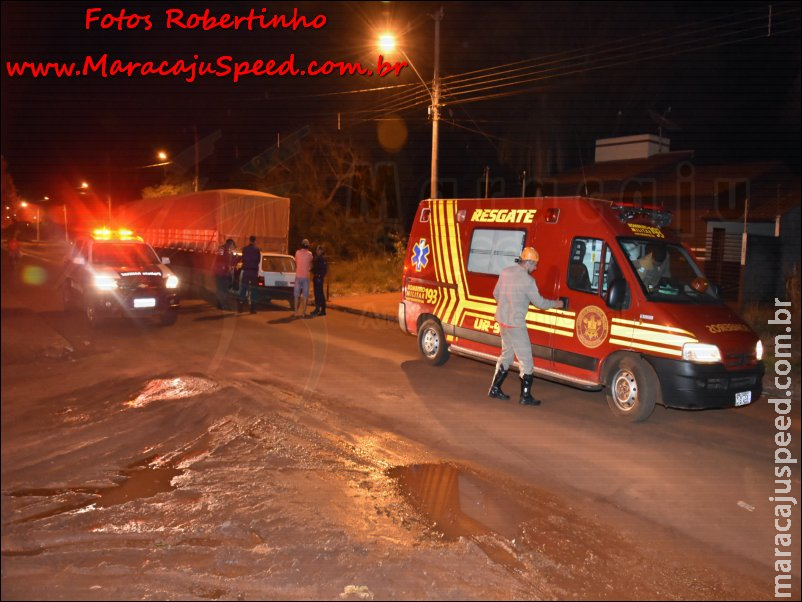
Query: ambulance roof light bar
628	212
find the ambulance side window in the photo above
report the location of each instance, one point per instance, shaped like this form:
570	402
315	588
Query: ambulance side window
583	264
492	250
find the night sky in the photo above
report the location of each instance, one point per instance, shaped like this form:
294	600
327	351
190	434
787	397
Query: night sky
524	85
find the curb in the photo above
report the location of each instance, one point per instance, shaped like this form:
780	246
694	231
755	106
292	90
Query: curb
362	312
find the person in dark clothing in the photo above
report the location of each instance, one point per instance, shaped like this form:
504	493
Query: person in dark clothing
319	269
251	258
224	272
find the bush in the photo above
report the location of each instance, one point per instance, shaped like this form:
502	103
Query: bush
365	274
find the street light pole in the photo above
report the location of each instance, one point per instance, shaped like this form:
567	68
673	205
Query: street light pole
387	42
438	16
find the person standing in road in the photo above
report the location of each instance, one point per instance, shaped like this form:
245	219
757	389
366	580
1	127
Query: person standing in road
515	290
303	263
14	252
224	272
319	269
251	258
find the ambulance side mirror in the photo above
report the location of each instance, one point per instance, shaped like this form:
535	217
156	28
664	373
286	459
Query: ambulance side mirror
618	295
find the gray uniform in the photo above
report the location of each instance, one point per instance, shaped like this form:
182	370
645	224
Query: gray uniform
514	291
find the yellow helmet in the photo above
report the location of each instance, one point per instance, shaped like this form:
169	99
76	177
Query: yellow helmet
529	254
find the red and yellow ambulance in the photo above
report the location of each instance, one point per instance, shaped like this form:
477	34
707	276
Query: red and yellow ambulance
642	321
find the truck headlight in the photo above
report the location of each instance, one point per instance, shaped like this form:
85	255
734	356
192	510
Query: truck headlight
172	282
701	353
759	350
105	283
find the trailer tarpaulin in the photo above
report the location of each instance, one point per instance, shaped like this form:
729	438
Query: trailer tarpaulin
201	221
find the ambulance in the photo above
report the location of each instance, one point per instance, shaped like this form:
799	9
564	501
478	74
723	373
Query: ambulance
642	321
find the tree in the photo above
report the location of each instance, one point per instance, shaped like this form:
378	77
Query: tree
167	189
9	190
324	179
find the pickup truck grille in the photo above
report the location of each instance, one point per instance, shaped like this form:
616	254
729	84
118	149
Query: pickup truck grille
133	283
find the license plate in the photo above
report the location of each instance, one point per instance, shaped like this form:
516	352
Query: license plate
281	283
741	399
148	302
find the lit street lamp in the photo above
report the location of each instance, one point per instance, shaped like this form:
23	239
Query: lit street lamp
164	161
387	43
162	156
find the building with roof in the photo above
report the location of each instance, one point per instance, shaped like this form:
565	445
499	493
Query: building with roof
740	220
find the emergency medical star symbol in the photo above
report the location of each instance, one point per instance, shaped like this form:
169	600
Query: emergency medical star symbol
420	255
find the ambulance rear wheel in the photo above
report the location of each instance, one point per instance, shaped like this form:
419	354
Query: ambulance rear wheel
432	343
632	388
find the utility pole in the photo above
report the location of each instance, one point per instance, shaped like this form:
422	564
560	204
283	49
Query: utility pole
108	183
197	160
744	239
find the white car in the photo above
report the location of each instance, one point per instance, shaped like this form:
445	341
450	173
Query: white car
276	277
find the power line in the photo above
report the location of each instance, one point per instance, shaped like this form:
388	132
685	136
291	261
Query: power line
629	52
533	63
602	56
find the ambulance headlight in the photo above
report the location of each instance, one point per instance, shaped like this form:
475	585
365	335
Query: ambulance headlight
172	282
105	283
759	350
701	353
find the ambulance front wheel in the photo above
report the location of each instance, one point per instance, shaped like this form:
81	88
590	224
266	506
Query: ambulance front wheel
632	388
432	343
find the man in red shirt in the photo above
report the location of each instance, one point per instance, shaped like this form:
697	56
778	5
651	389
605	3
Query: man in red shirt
303	263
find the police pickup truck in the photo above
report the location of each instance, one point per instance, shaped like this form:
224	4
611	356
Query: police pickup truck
115	273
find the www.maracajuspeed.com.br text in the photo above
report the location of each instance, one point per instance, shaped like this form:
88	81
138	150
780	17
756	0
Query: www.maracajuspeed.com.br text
192	70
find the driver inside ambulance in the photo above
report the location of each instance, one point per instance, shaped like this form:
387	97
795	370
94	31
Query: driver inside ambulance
653	266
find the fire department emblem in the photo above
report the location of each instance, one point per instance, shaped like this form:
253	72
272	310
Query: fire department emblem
420	254
591	327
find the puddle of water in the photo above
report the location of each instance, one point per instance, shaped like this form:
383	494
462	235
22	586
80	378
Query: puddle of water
461	505
140	480
34	552
171	388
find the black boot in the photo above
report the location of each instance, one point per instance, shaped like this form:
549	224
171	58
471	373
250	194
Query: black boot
526	391
495	389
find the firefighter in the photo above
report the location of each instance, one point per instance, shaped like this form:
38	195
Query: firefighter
515	290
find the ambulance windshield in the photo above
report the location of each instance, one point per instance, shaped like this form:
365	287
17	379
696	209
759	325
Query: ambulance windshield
667	272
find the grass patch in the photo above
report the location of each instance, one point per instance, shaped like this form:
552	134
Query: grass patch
365	275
